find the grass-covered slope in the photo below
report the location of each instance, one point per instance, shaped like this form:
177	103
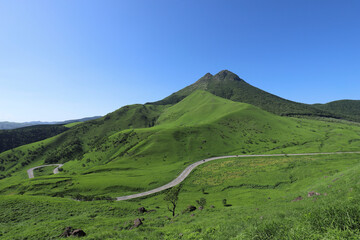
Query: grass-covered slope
16	137
228	85
350	108
247	198
78	140
142	147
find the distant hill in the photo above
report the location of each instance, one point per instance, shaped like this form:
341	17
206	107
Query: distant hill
228	85
13	138
350	108
18	136
14	125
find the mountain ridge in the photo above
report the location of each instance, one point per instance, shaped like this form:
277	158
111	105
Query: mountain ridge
7	125
347	107
228	85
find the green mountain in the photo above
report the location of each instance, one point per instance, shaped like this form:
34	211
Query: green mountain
154	142
228	85
141	147
348	108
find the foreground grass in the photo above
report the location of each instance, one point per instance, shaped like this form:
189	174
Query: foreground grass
258	193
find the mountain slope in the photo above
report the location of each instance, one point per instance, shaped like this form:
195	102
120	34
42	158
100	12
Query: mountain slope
141	147
349	108
228	85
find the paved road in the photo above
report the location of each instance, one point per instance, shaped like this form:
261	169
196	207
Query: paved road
30	172
188	170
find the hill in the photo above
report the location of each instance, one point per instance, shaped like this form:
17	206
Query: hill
140	147
14	125
349	108
228	85
10	139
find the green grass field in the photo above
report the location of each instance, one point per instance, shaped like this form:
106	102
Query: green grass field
258	191
141	147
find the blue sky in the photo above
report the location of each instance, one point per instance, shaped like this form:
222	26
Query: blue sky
66	59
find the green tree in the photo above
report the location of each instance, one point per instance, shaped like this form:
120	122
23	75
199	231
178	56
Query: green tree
172	197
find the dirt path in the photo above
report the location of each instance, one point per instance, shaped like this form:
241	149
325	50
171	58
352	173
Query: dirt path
30	172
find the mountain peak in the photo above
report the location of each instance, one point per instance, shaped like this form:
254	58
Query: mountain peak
227	75
208	75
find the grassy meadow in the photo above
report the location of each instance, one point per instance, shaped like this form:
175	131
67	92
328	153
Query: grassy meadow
258	192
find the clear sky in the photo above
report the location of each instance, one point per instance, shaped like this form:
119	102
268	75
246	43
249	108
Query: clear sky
66	59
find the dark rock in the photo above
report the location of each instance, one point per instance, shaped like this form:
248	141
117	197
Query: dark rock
137	223
299	198
201	208
142	210
212	206
78	233
191	208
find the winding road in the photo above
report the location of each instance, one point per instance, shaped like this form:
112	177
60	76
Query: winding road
191	167
30	172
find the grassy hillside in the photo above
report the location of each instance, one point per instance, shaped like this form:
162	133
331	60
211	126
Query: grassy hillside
350	108
258	192
80	139
16	137
140	147
110	157
228	85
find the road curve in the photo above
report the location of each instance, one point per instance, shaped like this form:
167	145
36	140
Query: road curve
188	170
30	172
